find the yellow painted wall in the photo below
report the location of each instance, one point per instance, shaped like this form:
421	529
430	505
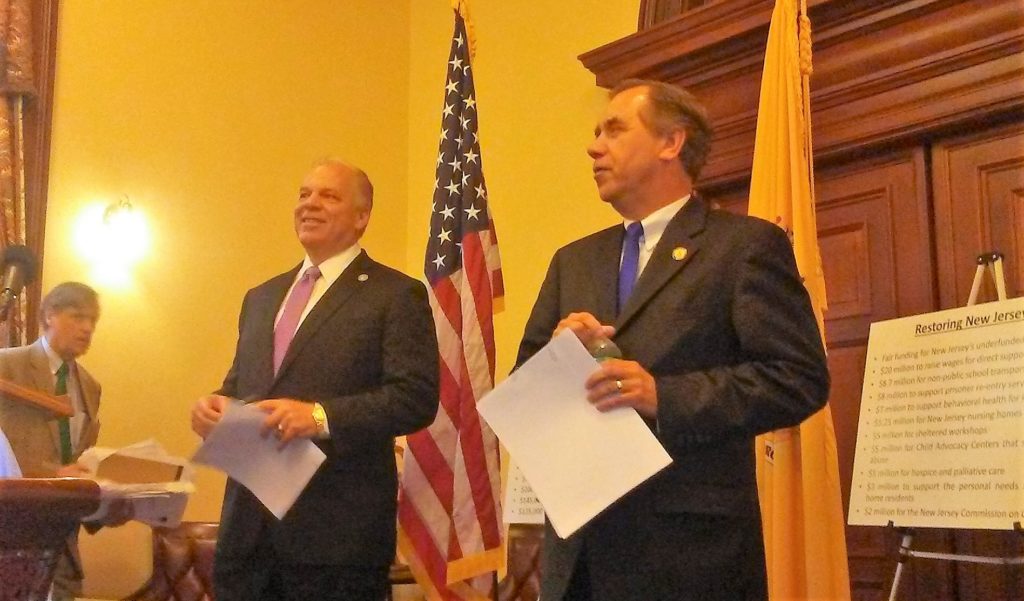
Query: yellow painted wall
208	112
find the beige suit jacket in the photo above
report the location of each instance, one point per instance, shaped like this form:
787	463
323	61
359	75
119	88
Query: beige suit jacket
33	432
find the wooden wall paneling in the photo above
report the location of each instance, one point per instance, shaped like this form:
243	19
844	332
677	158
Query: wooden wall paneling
979	206
873	231
38	122
885	71
653	12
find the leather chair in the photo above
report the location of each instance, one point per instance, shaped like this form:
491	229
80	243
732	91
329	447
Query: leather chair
522	581
182	564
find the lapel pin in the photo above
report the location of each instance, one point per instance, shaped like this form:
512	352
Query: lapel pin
679	253
363	277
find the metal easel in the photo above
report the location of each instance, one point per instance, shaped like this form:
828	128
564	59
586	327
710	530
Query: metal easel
994	261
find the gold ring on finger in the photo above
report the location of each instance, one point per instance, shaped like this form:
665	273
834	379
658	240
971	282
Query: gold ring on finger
618	385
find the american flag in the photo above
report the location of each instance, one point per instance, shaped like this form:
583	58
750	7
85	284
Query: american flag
449	515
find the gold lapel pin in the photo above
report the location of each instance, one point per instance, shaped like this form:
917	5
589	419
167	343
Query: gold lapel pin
363	277
679	253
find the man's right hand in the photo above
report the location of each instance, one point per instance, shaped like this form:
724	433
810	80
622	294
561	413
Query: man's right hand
207	412
586	327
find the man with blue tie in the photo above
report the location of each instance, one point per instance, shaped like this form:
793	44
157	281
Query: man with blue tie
46	446
340	350
718	344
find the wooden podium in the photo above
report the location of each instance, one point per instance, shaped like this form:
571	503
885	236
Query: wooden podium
36	517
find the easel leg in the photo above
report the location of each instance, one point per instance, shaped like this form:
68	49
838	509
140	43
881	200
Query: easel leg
908	537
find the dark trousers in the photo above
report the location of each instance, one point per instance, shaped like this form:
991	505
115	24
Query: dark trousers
579	584
264	577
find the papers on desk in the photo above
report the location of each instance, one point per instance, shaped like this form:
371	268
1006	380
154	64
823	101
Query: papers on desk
275	476
577	459
155	483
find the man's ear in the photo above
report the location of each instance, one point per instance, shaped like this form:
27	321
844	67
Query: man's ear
673	143
362	220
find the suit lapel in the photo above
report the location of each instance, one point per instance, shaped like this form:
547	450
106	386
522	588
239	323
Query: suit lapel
42	379
674	251
605	273
90	395
265	313
340	291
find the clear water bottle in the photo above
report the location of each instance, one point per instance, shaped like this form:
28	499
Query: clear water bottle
603	349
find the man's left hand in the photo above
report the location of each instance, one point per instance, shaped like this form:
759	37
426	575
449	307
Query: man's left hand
619	383
288	419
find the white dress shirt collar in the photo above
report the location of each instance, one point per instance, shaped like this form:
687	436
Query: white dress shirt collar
654	226
330	270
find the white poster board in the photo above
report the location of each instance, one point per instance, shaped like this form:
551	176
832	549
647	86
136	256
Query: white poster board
941	435
521	504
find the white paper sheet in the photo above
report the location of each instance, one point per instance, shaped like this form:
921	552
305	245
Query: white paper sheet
577	459
275	476
156	503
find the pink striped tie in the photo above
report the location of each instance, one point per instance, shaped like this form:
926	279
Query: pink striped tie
293	307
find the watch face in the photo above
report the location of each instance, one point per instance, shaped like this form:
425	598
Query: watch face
319	416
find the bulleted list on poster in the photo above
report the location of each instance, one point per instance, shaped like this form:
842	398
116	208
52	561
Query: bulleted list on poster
941	435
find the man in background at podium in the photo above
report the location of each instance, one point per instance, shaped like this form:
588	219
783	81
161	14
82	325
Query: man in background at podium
344	349
719	344
46	446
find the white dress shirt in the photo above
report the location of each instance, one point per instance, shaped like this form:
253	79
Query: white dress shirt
74	392
330	270
654	226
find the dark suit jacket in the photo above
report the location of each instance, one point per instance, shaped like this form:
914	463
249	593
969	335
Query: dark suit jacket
368	353
730	338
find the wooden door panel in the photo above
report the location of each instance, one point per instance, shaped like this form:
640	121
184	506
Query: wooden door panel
979	206
873	231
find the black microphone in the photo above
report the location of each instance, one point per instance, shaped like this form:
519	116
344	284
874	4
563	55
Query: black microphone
19	268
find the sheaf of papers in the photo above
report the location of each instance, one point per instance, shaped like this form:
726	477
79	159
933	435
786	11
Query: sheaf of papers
577	459
275	476
157	503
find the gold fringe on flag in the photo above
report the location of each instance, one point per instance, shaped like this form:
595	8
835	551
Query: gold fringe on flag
462	7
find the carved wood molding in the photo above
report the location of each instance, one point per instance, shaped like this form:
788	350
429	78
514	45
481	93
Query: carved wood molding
886	71
38	124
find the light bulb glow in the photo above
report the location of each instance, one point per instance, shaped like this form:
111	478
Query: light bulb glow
112	241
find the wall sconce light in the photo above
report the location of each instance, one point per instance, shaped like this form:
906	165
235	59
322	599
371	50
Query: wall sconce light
112	238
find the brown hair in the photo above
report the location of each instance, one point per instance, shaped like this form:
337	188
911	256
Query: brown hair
668	108
68	295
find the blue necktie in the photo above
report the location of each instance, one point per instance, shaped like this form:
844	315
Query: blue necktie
630	262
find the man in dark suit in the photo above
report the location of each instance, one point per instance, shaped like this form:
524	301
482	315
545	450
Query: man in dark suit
44	445
719	344
342	350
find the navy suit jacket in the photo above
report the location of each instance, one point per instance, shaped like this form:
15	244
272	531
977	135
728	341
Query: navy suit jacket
728	333
368	353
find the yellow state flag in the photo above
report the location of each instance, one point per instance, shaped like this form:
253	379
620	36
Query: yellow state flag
797	468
